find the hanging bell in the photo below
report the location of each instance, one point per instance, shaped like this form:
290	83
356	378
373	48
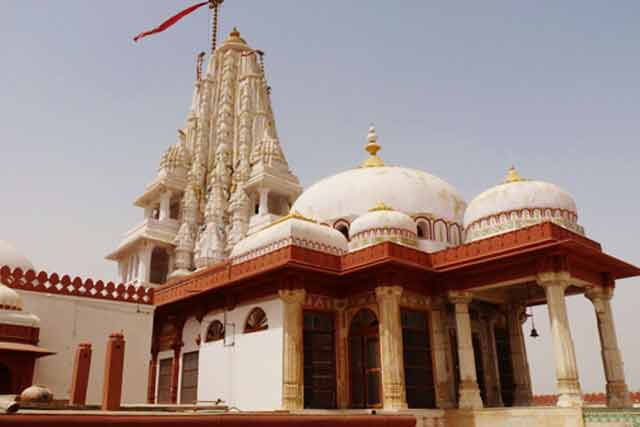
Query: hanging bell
534	333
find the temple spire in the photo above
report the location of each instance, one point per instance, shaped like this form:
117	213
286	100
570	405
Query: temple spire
372	148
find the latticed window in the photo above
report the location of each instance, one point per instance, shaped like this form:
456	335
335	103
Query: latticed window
215	332
256	321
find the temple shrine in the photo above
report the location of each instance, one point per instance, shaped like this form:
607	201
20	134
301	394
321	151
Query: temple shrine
378	288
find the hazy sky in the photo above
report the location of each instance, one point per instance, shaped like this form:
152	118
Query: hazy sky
461	89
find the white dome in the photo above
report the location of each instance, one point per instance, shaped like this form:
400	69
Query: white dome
518	203
382	223
9	299
352	193
293	229
10	256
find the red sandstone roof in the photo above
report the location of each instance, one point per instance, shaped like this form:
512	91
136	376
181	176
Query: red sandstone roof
25	348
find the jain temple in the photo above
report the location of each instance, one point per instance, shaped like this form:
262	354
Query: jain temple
378	290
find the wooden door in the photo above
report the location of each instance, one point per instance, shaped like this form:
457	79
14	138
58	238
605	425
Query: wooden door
505	369
164	381
418	369
364	354
189	382
319	361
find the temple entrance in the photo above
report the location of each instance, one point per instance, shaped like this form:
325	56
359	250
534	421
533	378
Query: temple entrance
364	361
159	266
5	380
418	370
319	361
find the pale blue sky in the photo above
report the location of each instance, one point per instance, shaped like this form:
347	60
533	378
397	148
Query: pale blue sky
462	89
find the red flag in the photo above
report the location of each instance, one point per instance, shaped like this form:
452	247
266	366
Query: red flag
169	22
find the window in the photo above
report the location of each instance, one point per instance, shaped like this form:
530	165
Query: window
416	351
422	230
215	332
189	386
256	321
159	266
319	361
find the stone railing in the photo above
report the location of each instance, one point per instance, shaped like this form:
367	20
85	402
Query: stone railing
77	287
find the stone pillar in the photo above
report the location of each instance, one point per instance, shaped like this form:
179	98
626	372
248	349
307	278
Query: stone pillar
263	208
469	392
80	379
394	393
521	375
342	365
567	382
151	382
175	374
441	374
617	391
144	262
293	368
113	372
165	206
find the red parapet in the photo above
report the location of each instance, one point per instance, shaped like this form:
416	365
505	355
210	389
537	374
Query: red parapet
53	284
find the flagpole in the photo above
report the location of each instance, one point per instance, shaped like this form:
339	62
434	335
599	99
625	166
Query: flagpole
214	5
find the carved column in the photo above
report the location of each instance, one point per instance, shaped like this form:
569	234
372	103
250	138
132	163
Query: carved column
293	369
342	340
263	207
617	391
521	375
175	374
165	206
441	374
151	382
469	392
393	387
568	384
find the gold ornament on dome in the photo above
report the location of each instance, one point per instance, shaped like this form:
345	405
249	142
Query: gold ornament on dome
512	176
381	207
372	148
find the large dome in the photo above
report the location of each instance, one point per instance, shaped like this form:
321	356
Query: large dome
10	256
352	193
516	203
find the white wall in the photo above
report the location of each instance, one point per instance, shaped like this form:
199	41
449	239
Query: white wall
247	375
65	321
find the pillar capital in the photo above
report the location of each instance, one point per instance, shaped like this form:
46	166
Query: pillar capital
460	297
385	292
598	293
550	279
292	296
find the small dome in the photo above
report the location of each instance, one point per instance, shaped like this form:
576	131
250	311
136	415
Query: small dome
382	223
352	193
517	203
10	256
174	158
293	229
9	299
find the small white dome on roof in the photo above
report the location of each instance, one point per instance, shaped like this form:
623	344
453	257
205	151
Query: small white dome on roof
9	299
350	194
518	203
382	223
293	229
10	257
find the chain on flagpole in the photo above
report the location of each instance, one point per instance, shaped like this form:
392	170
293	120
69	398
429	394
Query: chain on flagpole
214	5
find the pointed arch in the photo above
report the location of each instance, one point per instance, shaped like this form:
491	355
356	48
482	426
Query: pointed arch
256	321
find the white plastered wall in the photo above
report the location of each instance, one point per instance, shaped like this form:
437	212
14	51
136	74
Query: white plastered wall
66	321
248	374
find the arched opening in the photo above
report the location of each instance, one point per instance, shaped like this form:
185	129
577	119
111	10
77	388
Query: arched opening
5	380
256	321
159	266
215	331
343	228
422	230
364	360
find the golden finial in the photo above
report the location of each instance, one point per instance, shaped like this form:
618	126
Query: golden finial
381	206
234	37
512	176
372	148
